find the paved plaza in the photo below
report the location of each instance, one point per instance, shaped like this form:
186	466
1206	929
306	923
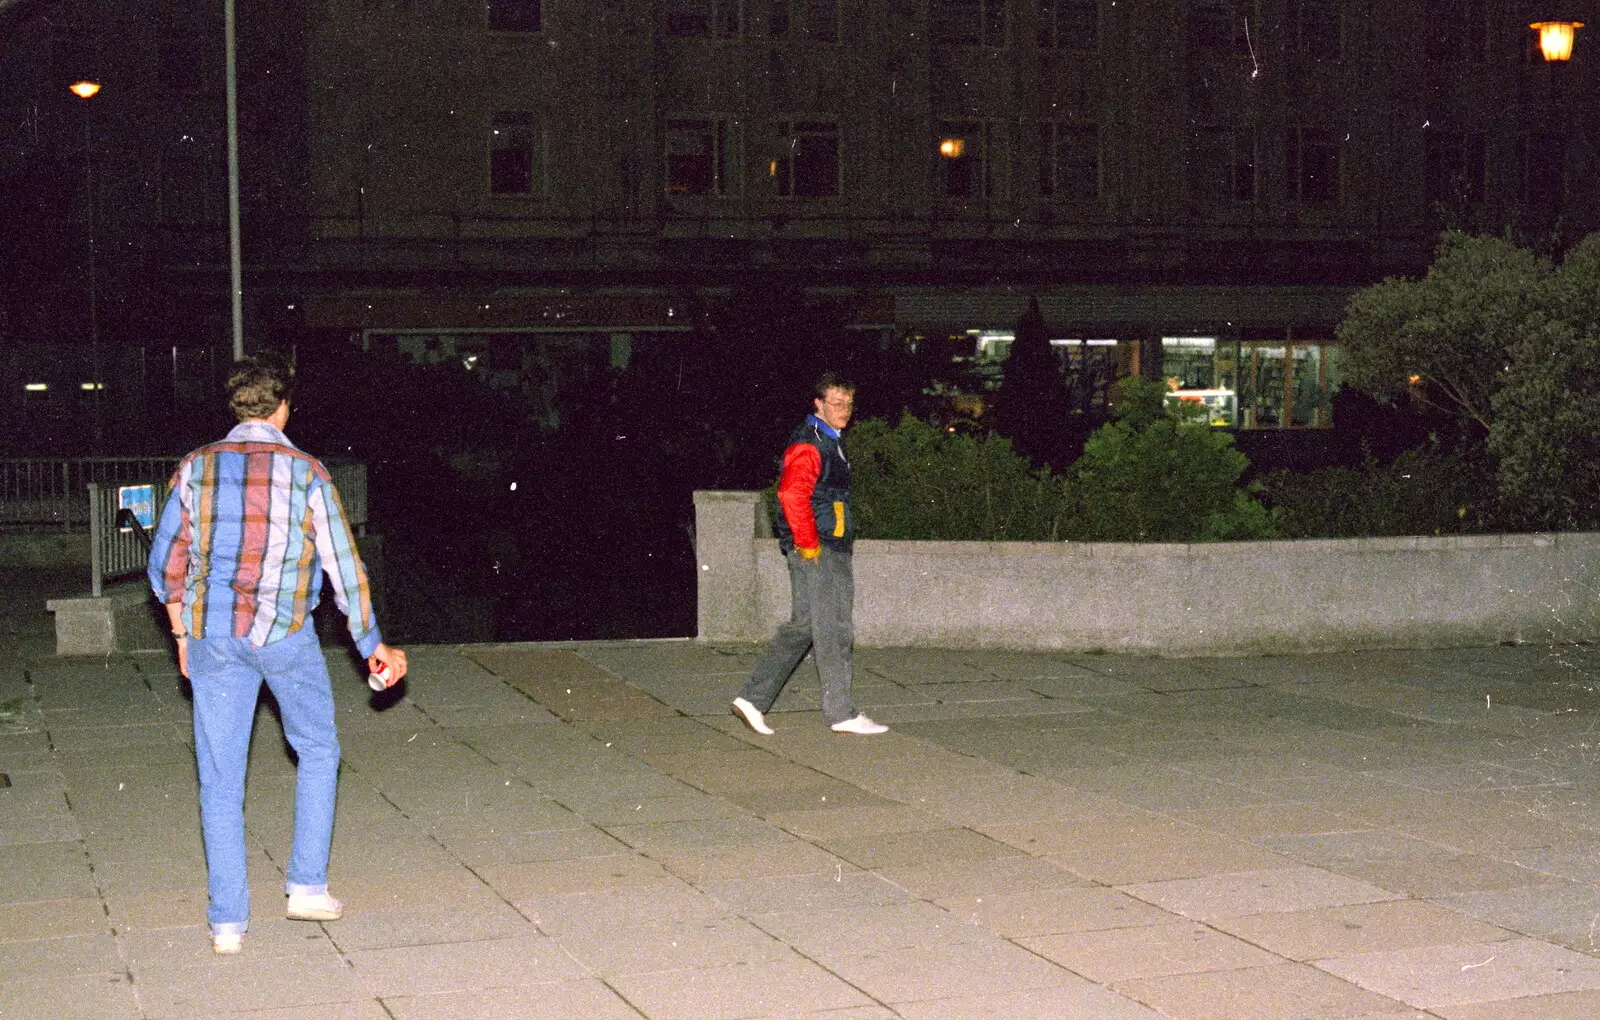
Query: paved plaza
585	831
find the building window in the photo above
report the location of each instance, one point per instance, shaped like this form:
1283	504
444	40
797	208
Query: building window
1069	24
516	155
1069	163
963	153
1454	170
1455	30
1222	26
1541	161
808	166
193	182
1222	168
1269	378
1319	28
179	64
969	22
1313	167
723	19
816	20
515	15
700	157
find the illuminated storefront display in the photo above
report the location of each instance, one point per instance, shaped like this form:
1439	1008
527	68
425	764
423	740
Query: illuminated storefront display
1253	382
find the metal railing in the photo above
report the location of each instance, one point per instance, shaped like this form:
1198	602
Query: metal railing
49	490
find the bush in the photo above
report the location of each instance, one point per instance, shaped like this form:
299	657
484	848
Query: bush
1426	491
914	481
1157	475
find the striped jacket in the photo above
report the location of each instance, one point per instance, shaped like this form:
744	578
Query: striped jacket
249	526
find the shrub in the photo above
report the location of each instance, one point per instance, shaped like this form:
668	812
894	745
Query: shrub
1425	491
1157	475
915	481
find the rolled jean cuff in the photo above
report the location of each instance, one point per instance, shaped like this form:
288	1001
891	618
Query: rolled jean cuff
292	889
230	928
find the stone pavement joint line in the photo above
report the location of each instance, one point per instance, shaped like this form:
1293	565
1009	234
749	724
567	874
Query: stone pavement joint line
586	831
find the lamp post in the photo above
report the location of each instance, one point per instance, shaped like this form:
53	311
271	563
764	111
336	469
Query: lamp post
1556	39
87	90
1555	44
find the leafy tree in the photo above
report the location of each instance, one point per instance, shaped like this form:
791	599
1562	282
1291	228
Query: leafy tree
1510	341
1546	430
1157	475
1448	335
1424	491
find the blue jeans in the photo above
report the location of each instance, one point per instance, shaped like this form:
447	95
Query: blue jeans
822	595
226	674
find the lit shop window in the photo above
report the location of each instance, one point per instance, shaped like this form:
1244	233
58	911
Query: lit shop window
1088	366
1279	383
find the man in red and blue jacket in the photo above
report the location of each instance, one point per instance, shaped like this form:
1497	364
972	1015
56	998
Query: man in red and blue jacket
816	532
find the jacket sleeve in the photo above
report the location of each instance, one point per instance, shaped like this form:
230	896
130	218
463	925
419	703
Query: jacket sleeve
336	547
802	466
168	565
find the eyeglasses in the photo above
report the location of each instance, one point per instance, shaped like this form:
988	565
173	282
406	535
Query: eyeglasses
843	405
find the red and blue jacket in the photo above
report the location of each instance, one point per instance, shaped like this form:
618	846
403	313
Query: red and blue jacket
814	490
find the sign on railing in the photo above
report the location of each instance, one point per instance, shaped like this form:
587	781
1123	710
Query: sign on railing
119	543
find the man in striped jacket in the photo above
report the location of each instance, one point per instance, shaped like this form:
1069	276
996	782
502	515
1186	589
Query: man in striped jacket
249	526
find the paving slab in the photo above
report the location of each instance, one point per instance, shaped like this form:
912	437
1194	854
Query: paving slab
584	830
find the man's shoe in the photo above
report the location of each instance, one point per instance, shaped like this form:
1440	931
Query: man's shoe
859	724
752	717
227	944
320	907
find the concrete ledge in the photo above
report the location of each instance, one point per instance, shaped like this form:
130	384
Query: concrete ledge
124	619
1223	598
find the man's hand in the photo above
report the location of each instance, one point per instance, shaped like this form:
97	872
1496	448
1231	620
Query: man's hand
183	655
809	554
394	658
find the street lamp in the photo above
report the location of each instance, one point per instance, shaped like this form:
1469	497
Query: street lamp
87	90
1556	38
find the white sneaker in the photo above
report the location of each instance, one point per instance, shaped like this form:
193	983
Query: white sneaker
227	944
320	907
752	717
859	724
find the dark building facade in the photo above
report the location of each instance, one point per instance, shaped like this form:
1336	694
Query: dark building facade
1188	188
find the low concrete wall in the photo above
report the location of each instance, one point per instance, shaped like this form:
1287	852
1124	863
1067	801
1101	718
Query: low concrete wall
1220	598
34	549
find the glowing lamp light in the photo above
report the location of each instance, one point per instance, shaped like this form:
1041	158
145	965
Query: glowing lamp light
88	89
952	148
1556	38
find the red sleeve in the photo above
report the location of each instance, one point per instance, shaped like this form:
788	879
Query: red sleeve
802	466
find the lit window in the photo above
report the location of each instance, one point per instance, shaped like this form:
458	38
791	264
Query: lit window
699	157
515	15
516	155
808	165
964	159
